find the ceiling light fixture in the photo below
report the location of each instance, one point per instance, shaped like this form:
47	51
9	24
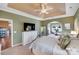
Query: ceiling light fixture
44	8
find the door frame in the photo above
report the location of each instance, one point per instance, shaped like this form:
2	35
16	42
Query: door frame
11	22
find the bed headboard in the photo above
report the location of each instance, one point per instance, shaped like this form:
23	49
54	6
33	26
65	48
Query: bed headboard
54	28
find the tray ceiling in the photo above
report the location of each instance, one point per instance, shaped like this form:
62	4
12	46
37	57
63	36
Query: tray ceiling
58	9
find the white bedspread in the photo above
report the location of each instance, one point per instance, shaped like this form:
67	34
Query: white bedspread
46	45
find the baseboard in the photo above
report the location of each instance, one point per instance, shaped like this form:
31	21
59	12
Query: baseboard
17	44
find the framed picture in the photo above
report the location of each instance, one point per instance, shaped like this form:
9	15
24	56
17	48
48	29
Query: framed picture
67	25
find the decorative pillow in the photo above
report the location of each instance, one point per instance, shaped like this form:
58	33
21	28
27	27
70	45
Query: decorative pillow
64	41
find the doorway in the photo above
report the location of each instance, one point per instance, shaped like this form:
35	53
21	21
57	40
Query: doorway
6	35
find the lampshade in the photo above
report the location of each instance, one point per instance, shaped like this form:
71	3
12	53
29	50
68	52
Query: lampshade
74	32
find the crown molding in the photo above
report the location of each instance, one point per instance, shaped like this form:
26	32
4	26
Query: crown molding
69	11
4	7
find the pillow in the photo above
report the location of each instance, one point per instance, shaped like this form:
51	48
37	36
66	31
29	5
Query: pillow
64	41
56	38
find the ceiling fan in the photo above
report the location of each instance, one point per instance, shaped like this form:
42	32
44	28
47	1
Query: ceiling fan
44	9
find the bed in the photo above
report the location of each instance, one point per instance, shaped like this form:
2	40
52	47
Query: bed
47	45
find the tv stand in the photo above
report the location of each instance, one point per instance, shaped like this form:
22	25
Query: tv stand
28	37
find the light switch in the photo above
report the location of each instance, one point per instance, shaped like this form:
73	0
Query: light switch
14	31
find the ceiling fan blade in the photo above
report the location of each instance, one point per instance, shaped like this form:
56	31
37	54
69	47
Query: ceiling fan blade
42	6
55	10
44	12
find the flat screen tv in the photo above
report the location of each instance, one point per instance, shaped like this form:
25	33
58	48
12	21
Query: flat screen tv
29	26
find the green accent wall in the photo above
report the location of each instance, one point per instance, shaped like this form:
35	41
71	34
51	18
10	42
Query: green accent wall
18	22
63	21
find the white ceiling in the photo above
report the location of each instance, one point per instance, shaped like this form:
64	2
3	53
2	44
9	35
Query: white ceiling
71	9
